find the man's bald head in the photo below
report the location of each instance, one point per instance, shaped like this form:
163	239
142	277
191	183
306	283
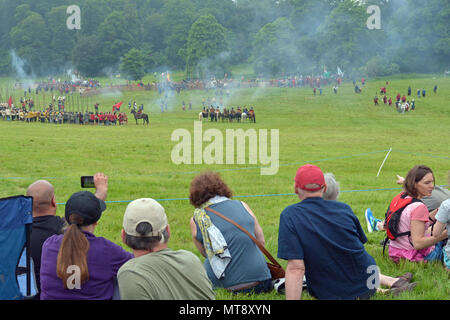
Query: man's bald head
43	195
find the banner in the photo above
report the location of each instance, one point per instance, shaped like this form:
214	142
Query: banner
117	106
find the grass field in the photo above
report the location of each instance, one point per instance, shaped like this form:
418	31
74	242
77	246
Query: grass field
344	134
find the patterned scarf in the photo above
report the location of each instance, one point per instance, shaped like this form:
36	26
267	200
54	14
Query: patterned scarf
213	241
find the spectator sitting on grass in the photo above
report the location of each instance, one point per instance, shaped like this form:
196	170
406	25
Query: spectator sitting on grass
438	195
323	240
45	221
78	265
157	272
440	198
233	261
332	189
442	222
416	219
332	193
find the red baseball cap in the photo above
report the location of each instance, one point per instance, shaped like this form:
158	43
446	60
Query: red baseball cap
309	175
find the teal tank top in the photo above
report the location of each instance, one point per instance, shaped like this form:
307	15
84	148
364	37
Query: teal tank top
247	261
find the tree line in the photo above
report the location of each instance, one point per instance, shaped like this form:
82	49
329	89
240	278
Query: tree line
207	37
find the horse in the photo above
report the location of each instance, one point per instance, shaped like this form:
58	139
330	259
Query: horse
218	114
251	116
238	116
142	116
225	115
244	116
213	115
232	115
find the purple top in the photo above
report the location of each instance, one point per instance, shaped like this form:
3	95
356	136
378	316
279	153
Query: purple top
104	260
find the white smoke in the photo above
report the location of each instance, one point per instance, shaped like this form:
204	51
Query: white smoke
18	65
72	75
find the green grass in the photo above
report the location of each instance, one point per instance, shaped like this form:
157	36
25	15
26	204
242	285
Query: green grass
344	134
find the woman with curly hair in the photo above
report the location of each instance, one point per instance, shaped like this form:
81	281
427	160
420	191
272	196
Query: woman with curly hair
233	261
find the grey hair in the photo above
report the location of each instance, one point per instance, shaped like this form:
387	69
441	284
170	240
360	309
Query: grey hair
332	192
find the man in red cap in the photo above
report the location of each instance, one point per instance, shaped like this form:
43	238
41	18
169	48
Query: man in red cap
323	240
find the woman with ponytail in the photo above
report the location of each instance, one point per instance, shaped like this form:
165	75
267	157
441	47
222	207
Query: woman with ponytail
77	264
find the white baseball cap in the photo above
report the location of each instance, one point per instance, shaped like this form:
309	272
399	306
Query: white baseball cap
145	210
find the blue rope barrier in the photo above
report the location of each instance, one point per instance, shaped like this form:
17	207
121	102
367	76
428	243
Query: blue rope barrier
246	196
258	195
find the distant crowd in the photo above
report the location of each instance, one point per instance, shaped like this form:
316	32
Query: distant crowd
402	102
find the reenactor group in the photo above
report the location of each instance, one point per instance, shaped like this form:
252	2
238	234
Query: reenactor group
215	113
61	117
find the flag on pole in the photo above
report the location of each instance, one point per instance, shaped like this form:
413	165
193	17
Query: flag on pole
10	101
339	72
117	106
326	74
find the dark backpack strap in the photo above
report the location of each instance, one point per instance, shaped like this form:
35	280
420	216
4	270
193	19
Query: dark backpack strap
386	240
384	244
402	195
433	222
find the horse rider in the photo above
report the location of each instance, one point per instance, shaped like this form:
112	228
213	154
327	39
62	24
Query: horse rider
217	113
238	114
212	112
205	113
252	114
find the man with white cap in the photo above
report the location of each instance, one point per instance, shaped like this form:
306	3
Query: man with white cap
157	272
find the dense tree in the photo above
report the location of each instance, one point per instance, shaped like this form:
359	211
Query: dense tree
178	18
309	34
207	49
419	36
5	62
273	49
62	39
343	37
7	21
118	34
30	39
132	65
85	56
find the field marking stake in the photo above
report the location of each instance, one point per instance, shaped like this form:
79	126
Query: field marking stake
384	161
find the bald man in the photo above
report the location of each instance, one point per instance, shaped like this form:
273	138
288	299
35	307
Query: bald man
45	222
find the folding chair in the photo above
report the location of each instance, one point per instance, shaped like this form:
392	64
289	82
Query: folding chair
16	270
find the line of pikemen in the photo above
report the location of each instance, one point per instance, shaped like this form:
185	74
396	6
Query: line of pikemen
61	117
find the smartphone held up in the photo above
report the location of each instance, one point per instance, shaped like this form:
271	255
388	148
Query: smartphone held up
87	182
